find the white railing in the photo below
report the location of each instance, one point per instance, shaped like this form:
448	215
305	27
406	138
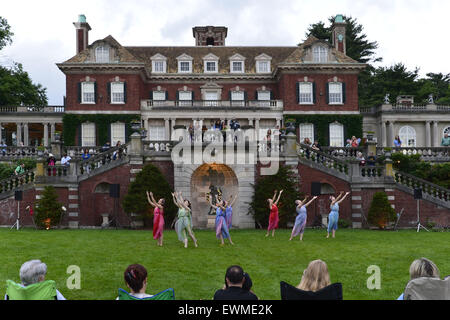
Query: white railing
32	109
273	104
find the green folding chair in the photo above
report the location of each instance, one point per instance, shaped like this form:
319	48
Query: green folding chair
45	290
168	294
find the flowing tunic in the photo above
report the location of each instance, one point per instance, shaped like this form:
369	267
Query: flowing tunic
273	218
229	216
333	218
300	221
184	224
221	224
158	223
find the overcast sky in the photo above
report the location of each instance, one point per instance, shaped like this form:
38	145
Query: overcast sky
414	32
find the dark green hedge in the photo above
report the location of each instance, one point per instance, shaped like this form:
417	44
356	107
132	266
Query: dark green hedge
71	123
352	125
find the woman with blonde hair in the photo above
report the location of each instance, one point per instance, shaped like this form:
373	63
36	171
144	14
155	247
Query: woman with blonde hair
315	277
422	267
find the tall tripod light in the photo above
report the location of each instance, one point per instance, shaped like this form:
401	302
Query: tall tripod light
418	196
18	196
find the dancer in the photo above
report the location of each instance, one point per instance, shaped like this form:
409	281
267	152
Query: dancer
222	231
183	226
229	211
273	218
158	217
300	220
333	217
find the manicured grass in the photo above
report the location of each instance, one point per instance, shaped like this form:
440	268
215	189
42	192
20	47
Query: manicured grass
196	273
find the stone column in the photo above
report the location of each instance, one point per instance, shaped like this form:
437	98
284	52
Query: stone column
250	123
25	135
383	134
279	122
435	134
257	128
19	134
52	132
167	128
172	130
45	134
427	134
391	134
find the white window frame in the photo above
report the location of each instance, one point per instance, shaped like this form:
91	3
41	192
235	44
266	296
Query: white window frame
264	94
102	54
335	93
206	62
159	96
184	71
157	133
182	95
305	93
237	94
320	54
155	66
84	91
233	70
259	69
306	130
337	140
117	92
117	127
90	140
406	134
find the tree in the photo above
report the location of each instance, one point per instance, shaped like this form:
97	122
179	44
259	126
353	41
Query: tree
149	179
381	212
48	211
264	188
16	86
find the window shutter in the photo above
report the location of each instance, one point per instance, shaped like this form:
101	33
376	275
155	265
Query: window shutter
343	92
256	95
79	92
79	134
245	96
108	87
297	92
327	93
109	134
178	95
167	95
229	95
192	95
271	95
125	92
151	94
95	92
314	92
127	132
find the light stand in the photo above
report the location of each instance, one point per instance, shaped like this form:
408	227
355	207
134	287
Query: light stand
16	224
419	225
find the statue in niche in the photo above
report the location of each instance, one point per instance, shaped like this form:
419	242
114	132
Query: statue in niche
430	99
386	99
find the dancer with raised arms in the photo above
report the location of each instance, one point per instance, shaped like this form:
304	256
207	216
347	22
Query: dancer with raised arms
273	217
333	217
229	211
158	217
300	220
183	226
222	231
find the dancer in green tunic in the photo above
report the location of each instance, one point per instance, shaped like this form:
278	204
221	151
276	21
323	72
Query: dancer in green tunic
183	226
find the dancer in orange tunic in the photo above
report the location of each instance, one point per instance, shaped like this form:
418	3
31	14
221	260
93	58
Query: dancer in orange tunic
158	218
273	218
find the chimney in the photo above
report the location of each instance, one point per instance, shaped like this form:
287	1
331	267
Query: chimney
209	36
82	31
338	33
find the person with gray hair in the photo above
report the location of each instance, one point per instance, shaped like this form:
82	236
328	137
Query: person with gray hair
422	268
34	271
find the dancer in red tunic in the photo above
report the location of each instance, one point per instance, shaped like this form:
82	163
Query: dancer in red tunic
158	217
273	218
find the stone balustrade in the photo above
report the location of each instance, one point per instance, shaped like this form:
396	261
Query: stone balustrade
33	109
427	187
253	104
432	154
18	181
13	153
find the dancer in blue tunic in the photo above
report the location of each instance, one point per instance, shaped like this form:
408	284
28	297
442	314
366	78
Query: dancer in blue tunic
229	211
333	217
300	220
222	231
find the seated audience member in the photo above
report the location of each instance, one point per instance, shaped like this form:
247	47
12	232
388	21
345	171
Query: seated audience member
422	268
371	160
33	272
315	276
135	277
360	158
236	286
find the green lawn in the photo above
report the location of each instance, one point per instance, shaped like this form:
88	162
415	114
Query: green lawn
196	273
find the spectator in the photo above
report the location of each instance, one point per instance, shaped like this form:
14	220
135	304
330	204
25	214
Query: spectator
106	146
20	169
308	142
191	132
422	268
360	158
355	142
34	271
315	277
445	140
119	151
3	146
268	139
397	142
316	146
348	143
51	161
85	157
371	160
236	286
135	277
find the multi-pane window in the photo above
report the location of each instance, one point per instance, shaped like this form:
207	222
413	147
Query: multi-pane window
185	95
157	133
237	66
336	135
117	133
88	134
102	54
211	66
184	66
237	95
263	67
263	95
335	93
407	135
305	93
159	95
117	92
320	54
159	66
88	92
306	131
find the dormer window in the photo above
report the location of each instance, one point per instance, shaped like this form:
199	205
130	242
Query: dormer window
210	66
102	54
320	54
211	63
237	64
159	63
263	63
184	64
